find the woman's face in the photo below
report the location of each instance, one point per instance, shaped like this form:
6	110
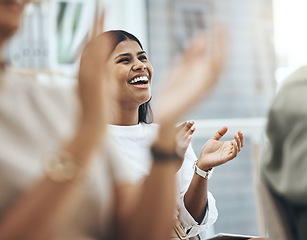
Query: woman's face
130	74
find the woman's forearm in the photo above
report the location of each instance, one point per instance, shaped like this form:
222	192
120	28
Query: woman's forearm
195	199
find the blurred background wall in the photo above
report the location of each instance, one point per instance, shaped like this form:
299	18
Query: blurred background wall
267	42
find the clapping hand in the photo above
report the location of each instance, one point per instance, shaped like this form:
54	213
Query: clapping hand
189	79
92	82
216	152
184	134
192	76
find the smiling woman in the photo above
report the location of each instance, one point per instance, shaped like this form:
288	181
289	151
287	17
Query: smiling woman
129	75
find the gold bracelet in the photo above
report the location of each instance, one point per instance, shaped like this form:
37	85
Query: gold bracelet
62	167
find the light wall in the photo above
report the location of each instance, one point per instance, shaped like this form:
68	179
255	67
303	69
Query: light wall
290	36
129	15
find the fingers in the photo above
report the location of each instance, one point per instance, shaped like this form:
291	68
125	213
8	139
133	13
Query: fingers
189	128
234	150
180	127
220	133
186	129
197	48
202	65
187	141
239	140
184	136
220	46
236	145
183	145
98	21
92	85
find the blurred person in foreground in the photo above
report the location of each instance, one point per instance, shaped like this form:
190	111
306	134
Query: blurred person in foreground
70	193
284	162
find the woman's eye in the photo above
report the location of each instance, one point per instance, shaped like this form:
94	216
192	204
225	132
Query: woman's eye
124	60
143	57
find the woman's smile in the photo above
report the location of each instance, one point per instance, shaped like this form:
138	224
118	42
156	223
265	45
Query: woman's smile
140	81
130	74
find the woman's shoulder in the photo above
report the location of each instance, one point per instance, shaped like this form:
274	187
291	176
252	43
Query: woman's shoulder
149	125
149	128
135	131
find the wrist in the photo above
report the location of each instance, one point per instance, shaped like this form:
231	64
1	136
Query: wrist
160	155
165	139
203	165
62	166
206	174
83	144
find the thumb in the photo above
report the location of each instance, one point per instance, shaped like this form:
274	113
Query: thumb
220	133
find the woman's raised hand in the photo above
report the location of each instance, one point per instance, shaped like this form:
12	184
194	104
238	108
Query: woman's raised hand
192	76
216	152
184	136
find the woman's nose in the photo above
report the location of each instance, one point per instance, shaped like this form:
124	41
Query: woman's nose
139	66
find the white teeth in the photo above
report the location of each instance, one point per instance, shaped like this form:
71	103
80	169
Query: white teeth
139	79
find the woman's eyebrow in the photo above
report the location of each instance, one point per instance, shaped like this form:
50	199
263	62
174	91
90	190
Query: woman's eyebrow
128	54
123	55
139	53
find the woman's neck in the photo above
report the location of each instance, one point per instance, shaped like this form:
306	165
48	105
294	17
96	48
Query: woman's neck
124	116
